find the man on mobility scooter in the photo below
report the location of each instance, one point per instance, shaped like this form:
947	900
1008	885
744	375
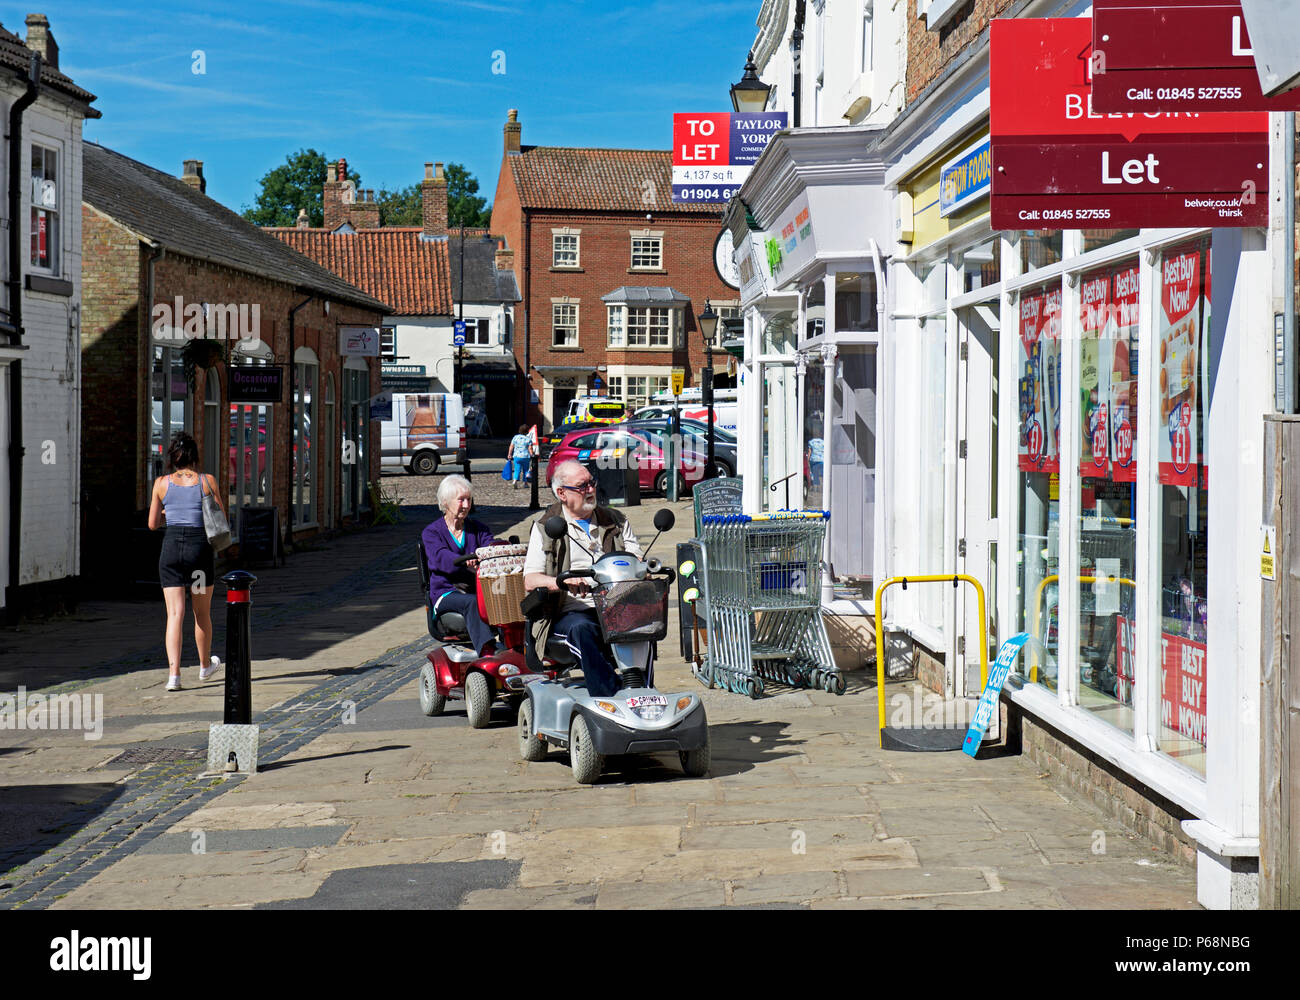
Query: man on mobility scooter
488	665
590	589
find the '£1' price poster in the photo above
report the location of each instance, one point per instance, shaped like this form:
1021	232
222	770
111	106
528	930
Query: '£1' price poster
1180	348
1040	382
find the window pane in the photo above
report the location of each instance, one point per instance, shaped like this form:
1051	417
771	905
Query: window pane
815	310
982	266
1038	249
855	302
1094	238
1182	318
1108	357
1038	558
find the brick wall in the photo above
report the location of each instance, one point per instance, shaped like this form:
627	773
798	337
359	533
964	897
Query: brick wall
117	361
605	248
930	52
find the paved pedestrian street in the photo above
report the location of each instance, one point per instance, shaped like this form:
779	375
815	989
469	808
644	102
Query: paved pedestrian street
363	802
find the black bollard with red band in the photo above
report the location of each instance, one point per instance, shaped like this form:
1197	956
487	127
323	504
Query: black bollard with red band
239	647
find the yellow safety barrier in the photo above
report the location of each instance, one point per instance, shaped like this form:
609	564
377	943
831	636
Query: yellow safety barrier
880	632
1038	610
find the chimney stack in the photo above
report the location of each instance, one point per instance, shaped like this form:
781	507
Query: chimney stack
39	39
335	211
433	197
303	222
193	176
512	130
505	258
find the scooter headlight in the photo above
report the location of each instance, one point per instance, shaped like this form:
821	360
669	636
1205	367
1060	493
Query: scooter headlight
508	670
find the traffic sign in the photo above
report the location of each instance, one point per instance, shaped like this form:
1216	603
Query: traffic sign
458	333
679	380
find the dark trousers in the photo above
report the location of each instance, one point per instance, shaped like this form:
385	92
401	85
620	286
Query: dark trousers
579	630
467	605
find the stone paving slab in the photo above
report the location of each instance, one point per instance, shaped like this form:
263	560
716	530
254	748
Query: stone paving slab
794	887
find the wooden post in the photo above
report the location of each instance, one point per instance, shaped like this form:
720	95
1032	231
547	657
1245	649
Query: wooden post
1279	774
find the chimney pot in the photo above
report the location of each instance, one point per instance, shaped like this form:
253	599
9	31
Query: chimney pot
192	175
512	131
433	198
303	221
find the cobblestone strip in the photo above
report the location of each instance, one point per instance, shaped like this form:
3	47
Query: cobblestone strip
347	588
160	795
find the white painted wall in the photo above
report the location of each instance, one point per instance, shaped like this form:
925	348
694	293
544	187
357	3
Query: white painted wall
426	340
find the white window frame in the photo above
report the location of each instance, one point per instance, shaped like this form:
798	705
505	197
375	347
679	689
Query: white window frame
557	325
651	249
54	215
566	234
616	327
388	344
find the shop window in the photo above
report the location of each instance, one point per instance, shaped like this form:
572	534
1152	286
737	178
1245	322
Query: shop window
1038	459
1095	238
982	265
814	428
1107	540
45	208
172	405
1182	318
304	438
815	310
855	302
1039	249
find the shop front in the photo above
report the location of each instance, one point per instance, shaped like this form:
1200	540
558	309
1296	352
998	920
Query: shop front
1053	402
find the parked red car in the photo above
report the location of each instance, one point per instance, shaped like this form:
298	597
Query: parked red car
611	446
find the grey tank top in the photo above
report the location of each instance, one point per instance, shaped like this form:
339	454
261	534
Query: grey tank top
183	505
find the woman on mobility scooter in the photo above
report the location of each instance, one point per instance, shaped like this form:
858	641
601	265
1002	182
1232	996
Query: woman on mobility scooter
449	545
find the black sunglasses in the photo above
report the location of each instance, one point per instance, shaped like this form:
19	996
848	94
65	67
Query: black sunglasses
581	487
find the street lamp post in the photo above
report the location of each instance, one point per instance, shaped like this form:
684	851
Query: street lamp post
460	350
708	321
750	95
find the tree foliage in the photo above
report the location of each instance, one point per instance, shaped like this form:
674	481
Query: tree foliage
296	184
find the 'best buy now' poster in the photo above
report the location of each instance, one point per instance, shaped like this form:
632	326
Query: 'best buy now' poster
1180	343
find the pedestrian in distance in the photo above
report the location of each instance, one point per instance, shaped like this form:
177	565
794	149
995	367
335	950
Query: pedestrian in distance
454	536
519	454
187	559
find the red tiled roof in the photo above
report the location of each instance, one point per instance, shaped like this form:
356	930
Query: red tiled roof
598	180
392	263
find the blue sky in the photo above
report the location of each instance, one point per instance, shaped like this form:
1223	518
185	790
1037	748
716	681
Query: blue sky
389	84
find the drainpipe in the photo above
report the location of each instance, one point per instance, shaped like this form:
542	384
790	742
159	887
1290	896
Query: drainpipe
293	394
796	44
15	283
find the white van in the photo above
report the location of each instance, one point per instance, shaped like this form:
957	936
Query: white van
725	409
427	428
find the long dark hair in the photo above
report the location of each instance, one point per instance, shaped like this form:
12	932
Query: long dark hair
182	453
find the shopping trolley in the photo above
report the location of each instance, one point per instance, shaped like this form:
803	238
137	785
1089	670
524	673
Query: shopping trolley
761	600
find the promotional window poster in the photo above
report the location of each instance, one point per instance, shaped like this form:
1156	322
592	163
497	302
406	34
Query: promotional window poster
1180	343
1108	357
1040	382
1123	375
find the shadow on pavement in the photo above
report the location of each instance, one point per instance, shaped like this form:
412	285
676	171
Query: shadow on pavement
34	818
329	756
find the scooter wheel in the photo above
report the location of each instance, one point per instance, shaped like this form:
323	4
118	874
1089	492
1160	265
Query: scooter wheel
585	761
695	763
531	747
478	699
431	702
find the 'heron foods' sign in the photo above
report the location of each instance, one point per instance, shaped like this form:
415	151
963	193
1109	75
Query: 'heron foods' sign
1176	55
1058	163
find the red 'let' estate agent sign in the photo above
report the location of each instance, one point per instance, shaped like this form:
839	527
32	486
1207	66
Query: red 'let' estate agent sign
1176	55
1060	164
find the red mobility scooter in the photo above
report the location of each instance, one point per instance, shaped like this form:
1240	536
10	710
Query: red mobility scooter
455	670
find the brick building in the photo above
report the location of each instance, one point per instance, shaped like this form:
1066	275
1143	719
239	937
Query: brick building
613	273
171	277
40	373
418	270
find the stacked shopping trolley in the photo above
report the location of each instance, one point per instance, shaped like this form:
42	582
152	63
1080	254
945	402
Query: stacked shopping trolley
761	600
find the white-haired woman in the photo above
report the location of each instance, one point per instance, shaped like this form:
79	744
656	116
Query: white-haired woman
454	536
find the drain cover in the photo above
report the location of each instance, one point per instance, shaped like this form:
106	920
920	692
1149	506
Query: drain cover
156	755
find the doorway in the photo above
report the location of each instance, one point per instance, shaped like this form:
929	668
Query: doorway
977	484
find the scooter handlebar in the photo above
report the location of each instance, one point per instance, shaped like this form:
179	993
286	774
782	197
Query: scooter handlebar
563	579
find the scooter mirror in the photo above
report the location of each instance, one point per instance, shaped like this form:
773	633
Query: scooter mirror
555	527
664	519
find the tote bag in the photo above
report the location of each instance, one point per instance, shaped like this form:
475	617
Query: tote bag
214	521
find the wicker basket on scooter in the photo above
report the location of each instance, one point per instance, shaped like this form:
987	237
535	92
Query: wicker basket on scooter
501	582
633	610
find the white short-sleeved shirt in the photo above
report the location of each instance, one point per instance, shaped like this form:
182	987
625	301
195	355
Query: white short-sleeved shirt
584	548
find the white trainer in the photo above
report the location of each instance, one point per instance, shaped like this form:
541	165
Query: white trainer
208	672
174	682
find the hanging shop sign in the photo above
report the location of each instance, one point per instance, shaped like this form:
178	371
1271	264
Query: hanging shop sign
1059	164
359	341
1176	55
791	243
256	383
714	152
965	178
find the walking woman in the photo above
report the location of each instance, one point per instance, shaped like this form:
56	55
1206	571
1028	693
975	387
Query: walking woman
519	455
187	560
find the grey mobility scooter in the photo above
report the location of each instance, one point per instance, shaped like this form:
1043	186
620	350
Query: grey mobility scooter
631	597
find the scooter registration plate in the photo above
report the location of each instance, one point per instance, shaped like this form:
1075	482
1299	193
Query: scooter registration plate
646	700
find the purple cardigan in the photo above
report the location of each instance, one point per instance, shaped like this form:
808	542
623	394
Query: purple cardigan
442	551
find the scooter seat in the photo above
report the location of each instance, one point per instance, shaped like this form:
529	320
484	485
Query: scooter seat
448	625
559	653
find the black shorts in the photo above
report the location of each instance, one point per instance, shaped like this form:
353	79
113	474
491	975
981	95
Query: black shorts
186	552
